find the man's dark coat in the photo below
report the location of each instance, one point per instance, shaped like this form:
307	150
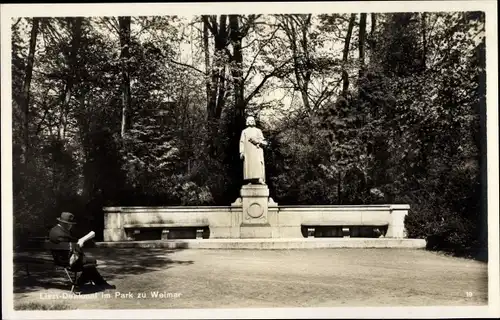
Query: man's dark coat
59	235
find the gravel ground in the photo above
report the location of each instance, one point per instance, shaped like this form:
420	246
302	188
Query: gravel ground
160	278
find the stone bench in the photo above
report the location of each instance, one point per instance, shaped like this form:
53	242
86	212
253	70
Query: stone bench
345	226
134	229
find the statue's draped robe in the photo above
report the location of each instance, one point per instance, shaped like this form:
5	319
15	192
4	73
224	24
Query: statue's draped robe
253	162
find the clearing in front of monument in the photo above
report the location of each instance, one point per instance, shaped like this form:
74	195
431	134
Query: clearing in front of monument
162	278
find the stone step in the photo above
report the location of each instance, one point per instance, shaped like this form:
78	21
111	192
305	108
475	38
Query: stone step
271	244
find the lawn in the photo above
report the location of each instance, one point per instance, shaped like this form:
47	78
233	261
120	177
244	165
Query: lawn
160	278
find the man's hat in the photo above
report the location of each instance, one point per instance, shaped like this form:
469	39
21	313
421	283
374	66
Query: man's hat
67	217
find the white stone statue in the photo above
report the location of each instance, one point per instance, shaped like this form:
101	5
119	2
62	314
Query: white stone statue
251	143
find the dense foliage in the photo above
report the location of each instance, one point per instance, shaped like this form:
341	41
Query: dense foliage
358	109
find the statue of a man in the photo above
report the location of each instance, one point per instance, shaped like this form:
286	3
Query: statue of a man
251	143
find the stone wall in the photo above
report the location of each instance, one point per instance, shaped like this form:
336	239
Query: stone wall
232	221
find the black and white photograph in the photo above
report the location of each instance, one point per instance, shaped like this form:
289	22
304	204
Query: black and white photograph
249	160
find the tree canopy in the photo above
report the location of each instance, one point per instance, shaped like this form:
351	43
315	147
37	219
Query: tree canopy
357	108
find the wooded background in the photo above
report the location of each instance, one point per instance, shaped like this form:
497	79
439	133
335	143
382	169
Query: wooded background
358	109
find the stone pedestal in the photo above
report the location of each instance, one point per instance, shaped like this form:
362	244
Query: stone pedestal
254	202
255	208
113	224
396	228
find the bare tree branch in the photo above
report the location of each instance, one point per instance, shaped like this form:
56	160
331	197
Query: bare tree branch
115	23
46	111
266	42
49	28
188	66
16	23
211	22
109	25
250	21
250	44
264	80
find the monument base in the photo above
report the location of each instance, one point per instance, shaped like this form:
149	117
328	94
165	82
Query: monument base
254	203
243	220
257	214
252	231
271	244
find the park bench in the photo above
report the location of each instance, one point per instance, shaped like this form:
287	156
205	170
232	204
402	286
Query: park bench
40	251
168	230
345	227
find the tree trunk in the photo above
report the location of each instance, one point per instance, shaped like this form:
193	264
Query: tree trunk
220	47
76	31
345	55
236	69
300	58
207	59
212	82
218	73
362	37
424	42
238	120
26	90
372	31
307	59
124	23
216	89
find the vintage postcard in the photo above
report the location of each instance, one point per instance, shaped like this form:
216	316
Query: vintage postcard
250	160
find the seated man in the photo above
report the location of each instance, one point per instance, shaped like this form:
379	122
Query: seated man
61	233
